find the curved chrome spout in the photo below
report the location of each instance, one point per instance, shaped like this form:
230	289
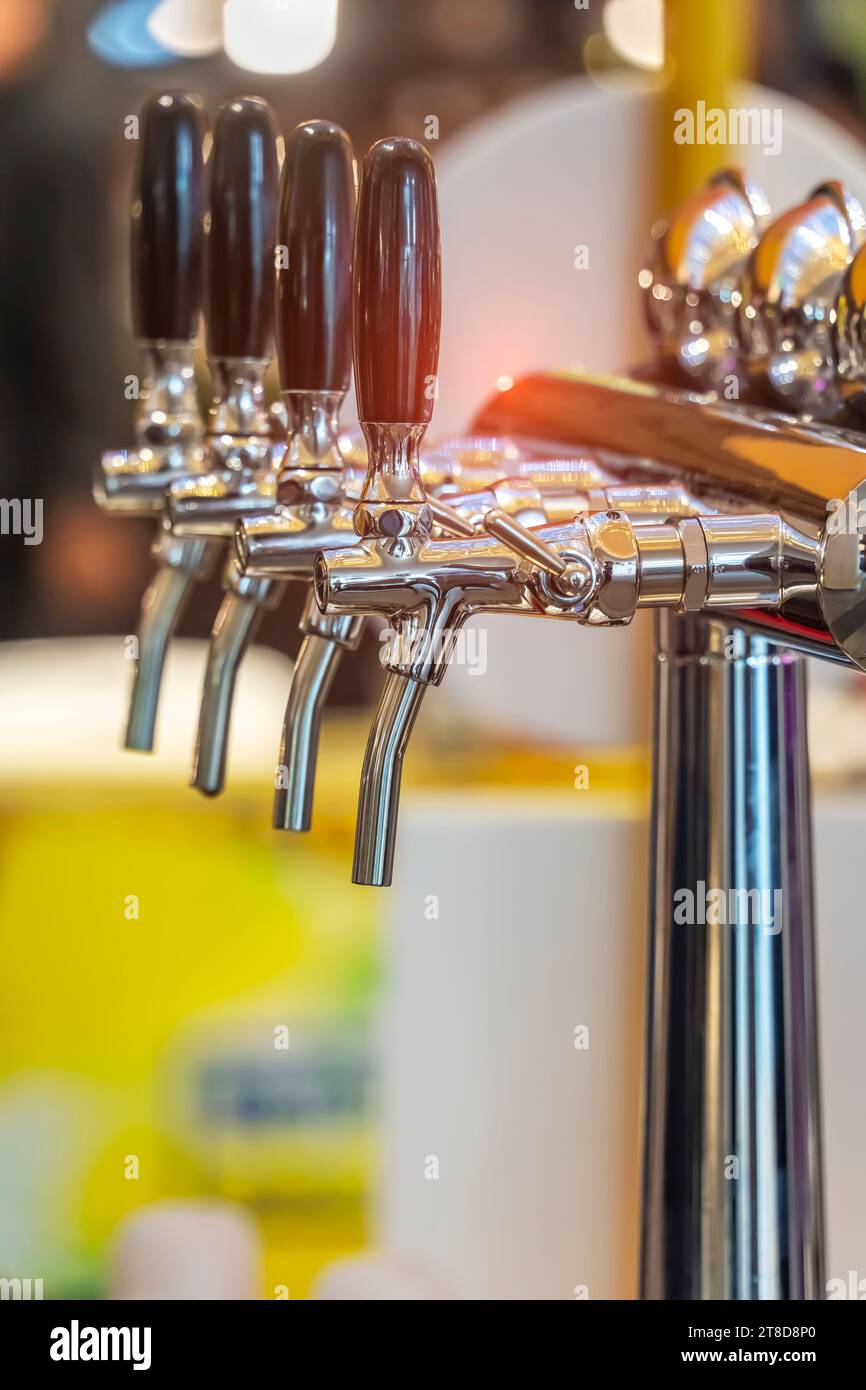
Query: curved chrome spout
376	826
326	637
180	567
235	627
313	677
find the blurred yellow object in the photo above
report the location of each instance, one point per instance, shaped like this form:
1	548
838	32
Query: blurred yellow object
188	997
708	49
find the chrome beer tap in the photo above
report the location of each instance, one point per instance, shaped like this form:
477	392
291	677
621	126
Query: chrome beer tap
166	247
243	447
397	309
316	225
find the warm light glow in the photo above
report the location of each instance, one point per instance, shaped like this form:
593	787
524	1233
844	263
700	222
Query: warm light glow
279	36
504	383
190	28
636	30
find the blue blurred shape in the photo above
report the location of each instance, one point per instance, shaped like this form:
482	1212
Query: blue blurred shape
119	35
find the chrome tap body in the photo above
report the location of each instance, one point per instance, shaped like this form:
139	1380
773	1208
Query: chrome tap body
732	1175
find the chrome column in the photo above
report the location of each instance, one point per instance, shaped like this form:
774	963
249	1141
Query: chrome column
732	1184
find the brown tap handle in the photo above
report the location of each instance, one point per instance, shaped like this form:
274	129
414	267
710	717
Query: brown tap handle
239	275
397	288
167	228
315	226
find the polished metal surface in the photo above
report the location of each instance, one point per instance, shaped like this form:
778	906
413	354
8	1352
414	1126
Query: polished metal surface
786	299
530	545
737	457
169	434
242	609
314	672
848	336
180	566
313	434
691	279
732	1186
597	569
326	638
238	420
379	797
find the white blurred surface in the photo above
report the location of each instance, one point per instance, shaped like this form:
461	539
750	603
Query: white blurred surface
377	1279
541	930
63	706
194	1249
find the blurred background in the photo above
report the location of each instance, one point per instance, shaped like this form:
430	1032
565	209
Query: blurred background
195	1010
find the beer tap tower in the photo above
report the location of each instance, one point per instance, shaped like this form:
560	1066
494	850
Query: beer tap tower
744	587
730	519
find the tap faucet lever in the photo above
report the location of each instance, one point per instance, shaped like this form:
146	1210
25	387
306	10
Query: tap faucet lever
524	542
450	520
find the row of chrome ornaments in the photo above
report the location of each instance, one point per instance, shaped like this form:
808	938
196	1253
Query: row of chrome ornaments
370	521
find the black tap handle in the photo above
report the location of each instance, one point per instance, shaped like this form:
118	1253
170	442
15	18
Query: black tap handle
397	287
167	219
239	255
315	225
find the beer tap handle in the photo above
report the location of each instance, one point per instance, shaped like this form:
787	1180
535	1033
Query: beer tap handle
396	320
316	224
239	253
167	220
